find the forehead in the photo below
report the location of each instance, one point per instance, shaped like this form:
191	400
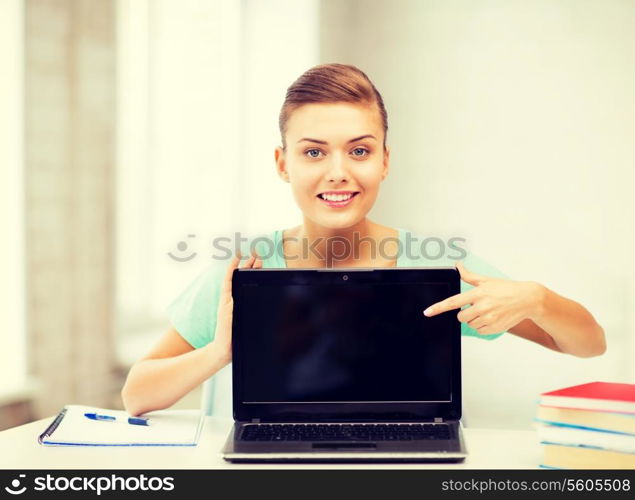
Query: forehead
321	120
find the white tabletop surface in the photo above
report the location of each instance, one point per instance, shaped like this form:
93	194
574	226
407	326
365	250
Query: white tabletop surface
487	449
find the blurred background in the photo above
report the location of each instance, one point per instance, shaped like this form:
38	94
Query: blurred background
134	128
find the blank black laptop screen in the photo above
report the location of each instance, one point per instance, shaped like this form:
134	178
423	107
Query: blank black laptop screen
340	343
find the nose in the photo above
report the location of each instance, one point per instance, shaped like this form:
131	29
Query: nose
337	171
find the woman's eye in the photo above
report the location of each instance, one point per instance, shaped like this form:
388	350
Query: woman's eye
313	153
360	152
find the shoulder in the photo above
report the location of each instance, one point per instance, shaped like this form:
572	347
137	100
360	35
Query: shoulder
193	312
206	283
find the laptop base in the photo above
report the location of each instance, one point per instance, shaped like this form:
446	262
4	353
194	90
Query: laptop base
340	460
442	451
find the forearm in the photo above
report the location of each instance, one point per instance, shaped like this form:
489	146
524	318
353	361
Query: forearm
572	327
155	384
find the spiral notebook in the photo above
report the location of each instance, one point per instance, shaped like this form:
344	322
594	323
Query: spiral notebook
72	428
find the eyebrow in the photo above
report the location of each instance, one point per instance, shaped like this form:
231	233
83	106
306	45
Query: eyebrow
367	136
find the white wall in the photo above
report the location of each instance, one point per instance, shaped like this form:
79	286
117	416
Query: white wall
279	43
511	124
12	354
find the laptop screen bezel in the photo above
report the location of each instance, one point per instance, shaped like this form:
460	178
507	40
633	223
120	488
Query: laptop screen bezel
344	411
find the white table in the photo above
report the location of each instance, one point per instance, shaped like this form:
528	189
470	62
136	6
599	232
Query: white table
487	449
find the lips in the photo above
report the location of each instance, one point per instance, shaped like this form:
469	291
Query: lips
337	203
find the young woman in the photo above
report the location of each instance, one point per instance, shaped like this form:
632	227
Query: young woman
333	126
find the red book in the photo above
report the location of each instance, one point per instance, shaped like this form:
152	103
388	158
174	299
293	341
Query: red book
602	396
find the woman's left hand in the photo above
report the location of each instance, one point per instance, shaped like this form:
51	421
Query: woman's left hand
496	305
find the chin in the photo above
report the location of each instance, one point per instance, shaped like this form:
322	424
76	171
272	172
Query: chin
343	221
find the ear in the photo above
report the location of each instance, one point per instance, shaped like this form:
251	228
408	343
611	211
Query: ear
386	163
281	166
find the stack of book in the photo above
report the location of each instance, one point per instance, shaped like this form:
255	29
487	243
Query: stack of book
588	426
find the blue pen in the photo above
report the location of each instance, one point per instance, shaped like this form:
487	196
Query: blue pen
109	418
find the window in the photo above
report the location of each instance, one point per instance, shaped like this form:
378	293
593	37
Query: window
200	85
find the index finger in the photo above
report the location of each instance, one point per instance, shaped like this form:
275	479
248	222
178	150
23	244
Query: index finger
453	302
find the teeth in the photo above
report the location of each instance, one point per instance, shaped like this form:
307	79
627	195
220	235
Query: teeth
337	197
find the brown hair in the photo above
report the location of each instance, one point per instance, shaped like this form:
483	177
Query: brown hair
331	83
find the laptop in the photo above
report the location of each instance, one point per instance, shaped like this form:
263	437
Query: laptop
341	365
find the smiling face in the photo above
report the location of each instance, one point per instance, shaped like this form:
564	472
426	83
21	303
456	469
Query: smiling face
334	160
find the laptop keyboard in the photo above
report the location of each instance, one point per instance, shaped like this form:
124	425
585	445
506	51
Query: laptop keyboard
344	432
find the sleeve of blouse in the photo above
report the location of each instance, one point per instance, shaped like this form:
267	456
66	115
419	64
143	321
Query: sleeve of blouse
193	311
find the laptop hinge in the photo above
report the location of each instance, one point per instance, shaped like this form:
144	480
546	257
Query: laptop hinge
255	420
438	420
